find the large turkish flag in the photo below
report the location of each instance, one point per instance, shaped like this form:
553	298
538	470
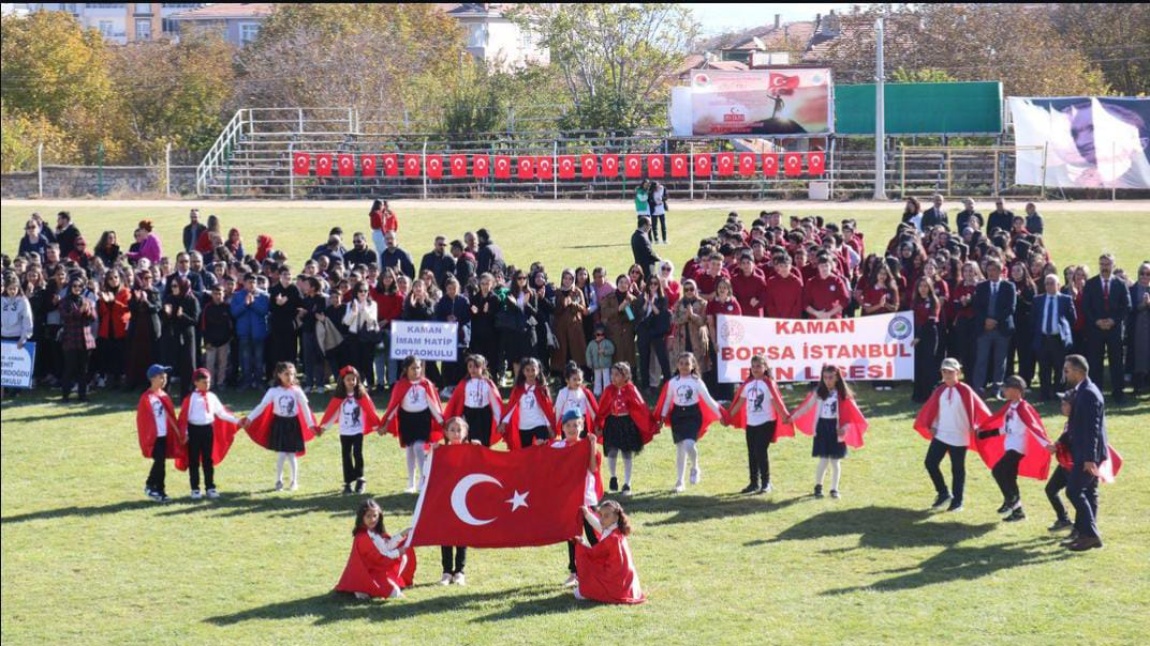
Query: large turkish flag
476	497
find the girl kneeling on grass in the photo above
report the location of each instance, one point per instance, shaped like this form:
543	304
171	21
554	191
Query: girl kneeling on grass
380	565
282	422
830	414
606	568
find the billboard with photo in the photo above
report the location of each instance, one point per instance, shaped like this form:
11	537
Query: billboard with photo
1083	142
784	101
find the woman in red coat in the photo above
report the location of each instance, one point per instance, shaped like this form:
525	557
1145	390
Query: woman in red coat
607	569
379	564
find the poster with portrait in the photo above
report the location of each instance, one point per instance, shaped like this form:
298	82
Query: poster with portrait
1087	142
785	101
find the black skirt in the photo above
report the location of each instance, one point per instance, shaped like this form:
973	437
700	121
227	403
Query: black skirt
286	435
527	436
479	424
686	422
414	427
827	444
620	433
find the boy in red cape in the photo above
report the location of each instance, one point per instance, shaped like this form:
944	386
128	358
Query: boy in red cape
624	422
530	414
1013	442
763	425
948	420
477	400
606	569
160	436
354	411
415	416
210	429
379	565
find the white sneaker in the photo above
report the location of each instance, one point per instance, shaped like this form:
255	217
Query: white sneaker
679	488
459	579
445	579
571	581
411	489
196	495
294	485
397	594
213	494
696	475
362	596
279	485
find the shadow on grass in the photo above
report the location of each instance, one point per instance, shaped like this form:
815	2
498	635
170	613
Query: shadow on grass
693	509
880	528
598	246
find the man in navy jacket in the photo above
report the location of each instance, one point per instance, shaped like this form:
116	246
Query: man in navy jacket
994	302
1088	449
1106	305
1052	317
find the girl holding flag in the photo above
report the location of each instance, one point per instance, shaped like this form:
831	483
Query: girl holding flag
688	407
476	399
379	565
352	409
454	559
210	429
573	434
530	415
625	423
1013	442
414	415
282	422
830	413
948	420
758	408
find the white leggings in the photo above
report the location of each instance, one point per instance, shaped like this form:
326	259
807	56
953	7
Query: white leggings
683	450
836	472
292	460
612	460
415	459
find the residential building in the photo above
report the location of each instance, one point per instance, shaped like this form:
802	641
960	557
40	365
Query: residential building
493	38
122	22
238	22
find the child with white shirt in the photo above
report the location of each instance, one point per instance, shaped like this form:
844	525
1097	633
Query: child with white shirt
159	436
1024	447
282	422
573	433
477	400
625	423
576	396
829	446
415	416
199	413
355	413
530	414
689	408
759	409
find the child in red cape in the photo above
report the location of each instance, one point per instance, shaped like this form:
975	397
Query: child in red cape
948	420
830	413
625	423
573	433
415	416
1065	464
282	422
1013	442
576	396
379	565
530	415
690	410
454	558
356	418
606	568
759	409
160	436
210	429
477	400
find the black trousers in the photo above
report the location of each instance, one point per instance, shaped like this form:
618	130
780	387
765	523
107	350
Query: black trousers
934	456
926	363
352	451
1051	355
76	372
1005	473
1021	356
1082	490
646	343
1056	483
200	444
155	480
527	436
759	440
453	563
589	531
1110	343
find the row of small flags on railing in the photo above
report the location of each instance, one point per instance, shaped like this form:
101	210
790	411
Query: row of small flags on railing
546	167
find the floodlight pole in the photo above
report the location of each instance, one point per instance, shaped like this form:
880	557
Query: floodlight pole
879	116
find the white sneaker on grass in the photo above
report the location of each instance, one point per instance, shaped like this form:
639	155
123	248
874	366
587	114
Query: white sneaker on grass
213	494
571	581
459	579
445	579
196	495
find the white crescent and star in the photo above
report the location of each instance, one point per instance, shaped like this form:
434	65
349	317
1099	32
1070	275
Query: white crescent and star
463	487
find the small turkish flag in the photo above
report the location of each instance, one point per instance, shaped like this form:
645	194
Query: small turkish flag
679	166
746	164
703	165
655	165
435	166
367	165
793	164
526	167
590	166
771	164
390	164
567	167
502	167
459	165
782	82
323	164
480	165
725	163
411	165
346	165
816	162
545	167
633	166
476	497
610	166
301	163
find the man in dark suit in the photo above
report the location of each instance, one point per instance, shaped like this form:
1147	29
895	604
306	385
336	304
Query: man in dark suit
934	215
1052	316
1000	218
641	246
1088	449
184	270
1106	305
994	302
193	230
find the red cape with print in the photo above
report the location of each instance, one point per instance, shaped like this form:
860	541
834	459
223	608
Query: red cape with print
456	403
223	434
260	429
1036	462
397	395
641	416
542	396
607	571
851	420
709	416
476	497
590	415
370	416
146	427
739	418
976	410
1107	471
372	573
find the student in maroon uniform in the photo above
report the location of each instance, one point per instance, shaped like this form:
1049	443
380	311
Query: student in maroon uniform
783	295
749	285
825	296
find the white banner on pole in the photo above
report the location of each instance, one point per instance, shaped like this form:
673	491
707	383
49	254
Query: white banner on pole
871	347
17	364
427	340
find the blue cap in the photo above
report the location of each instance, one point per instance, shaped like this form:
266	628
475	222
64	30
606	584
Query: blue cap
570	415
156	369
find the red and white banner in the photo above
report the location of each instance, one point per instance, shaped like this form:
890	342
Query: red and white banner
476	497
655	165
703	165
746	164
526	166
301	163
390	164
480	165
367	165
435	166
793	164
567	167
634	166
590	166
725	164
346	165
816	162
770	164
545	167
459	165
323	164
502	167
610	166
411	165
870	347
680	166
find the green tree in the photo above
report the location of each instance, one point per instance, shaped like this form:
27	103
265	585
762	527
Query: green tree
1114	36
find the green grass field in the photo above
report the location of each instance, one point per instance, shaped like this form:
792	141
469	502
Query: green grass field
86	559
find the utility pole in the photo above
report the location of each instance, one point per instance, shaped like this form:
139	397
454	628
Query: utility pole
879	115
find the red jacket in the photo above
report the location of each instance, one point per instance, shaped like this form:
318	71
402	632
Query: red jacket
388	307
114	316
784	297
